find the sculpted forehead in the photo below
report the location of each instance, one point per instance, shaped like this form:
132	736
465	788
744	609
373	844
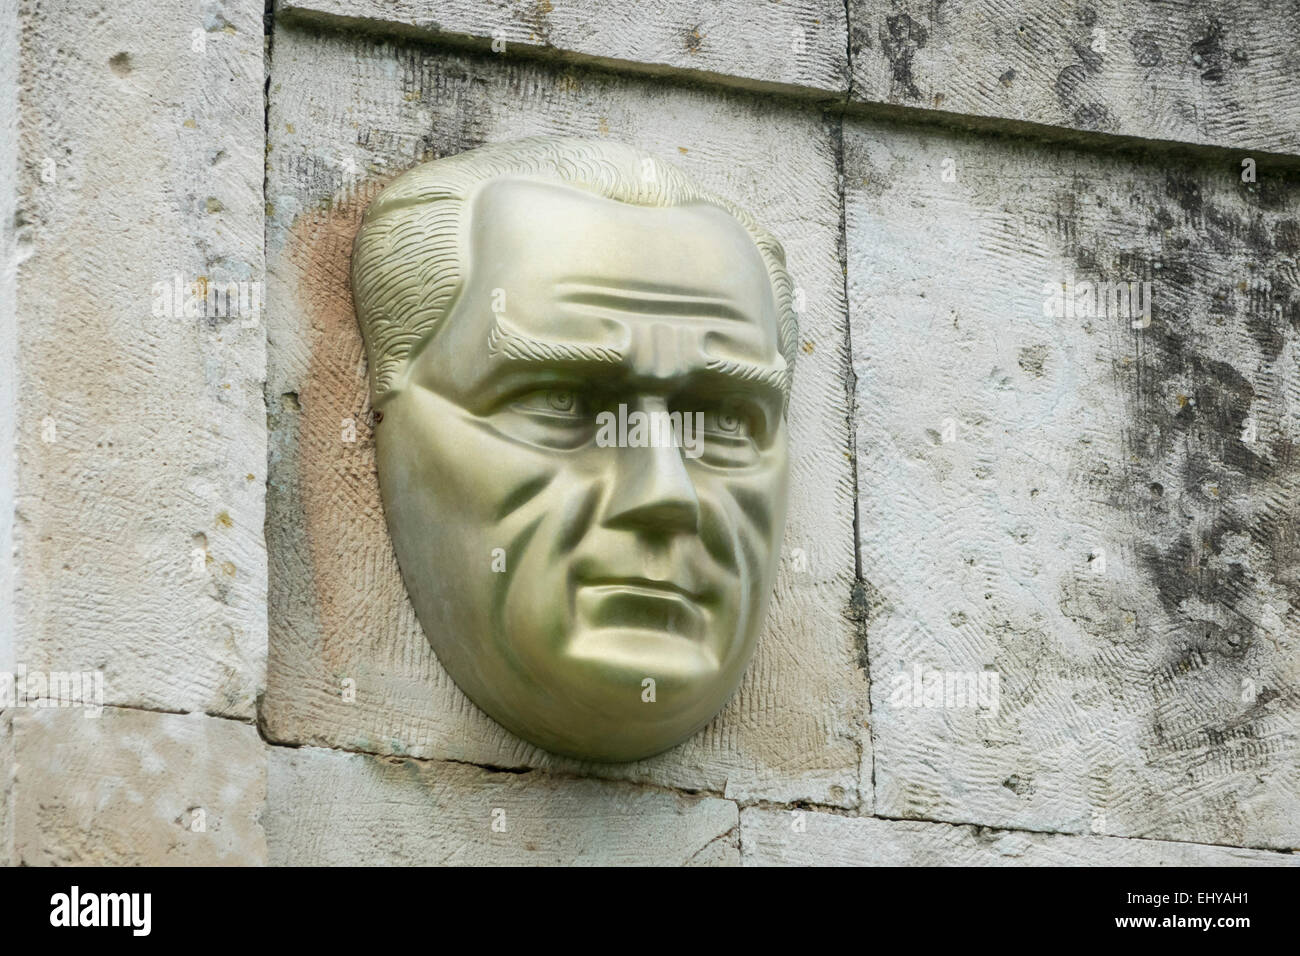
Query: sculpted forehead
540	240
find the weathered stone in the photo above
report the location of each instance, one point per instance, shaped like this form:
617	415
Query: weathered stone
804	838
1219	74
337	809
798	46
6	788
9	45
1101	509
141	439
347	115
134	787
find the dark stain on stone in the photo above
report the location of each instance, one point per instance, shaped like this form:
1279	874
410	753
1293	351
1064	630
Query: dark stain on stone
1256	235
1021	787
1186	191
1270	310
865	604
694	39
1207	52
1093	116
1189	569
1286	237
900	38
1209	477
1207	484
1222	473
1223	230
1031	359
1006	78
1146	51
1068	82
1074	92
1089	58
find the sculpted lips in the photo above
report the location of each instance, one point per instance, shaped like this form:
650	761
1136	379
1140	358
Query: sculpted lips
641	603
646	585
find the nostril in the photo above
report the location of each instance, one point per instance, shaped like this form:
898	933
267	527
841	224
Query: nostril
662	515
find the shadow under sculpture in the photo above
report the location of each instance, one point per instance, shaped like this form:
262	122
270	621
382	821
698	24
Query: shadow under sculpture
581	363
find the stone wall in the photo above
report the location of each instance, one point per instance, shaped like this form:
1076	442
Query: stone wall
1100	510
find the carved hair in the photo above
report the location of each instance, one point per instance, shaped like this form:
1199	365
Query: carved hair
406	261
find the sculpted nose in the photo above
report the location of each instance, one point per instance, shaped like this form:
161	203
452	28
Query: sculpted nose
653	492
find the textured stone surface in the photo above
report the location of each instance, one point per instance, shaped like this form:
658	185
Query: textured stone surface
9	38
770	838
796	45
331	808
346	116
6	788
1185	70
1177	70
133	787
141	439
1103	515
8	327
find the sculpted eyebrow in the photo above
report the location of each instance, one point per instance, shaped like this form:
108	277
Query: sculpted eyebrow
515	346
775	379
512	344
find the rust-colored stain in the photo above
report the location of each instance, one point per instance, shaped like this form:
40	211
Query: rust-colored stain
353	568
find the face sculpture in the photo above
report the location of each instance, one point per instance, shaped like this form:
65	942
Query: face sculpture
595	586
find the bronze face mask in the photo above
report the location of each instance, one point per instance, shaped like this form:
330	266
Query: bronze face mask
581	362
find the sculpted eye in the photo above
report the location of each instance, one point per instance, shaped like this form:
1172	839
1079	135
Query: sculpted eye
727	421
558	417
562	400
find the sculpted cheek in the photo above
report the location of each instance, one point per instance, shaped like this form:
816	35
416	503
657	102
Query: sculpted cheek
755	504
578	513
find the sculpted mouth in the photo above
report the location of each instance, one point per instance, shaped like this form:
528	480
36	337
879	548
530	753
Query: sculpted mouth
641	605
650	588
